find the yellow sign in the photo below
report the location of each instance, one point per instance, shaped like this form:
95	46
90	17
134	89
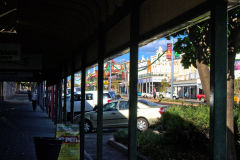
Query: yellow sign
105	82
70	149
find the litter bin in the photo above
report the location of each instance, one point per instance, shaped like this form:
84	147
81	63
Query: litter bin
47	148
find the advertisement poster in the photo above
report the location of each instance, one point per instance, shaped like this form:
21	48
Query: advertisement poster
237	64
70	149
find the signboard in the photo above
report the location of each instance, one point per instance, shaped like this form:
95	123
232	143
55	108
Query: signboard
105	82
237	64
169	51
9	52
70	149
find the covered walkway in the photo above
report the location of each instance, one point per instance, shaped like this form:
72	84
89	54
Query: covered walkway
18	125
47	41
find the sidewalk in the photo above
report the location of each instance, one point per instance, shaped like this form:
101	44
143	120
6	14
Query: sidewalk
18	125
109	153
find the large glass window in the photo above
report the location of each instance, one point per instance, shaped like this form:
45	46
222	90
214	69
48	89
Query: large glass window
110	106
106	95
123	105
89	96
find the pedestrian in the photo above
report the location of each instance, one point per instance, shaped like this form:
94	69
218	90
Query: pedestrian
34	100
154	93
29	95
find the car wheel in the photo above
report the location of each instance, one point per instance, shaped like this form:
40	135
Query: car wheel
142	124
174	97
202	99
161	96
87	126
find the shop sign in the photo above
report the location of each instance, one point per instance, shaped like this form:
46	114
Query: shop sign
70	149
9	52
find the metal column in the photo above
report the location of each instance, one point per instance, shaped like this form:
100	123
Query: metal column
72	98
149	86
101	52
146	85
132	125
47	99
60	101
65	101
152	86
110	76
218	75
56	102
82	134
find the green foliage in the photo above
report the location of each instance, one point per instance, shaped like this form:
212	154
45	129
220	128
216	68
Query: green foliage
194	41
148	144
121	136
196	116
183	134
76	85
164	86
236	112
237	86
170	100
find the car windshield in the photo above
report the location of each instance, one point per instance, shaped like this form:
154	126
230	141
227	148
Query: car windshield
110	106
78	89
106	95
148	103
68	91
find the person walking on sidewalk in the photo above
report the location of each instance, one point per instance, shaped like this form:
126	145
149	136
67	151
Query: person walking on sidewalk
29	95
34	100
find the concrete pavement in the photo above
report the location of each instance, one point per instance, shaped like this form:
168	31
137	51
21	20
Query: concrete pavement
19	124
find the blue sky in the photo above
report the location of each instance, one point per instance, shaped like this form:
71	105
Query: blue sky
147	51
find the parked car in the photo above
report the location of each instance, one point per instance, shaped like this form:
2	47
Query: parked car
201	97
111	93
91	97
168	95
115	114
147	95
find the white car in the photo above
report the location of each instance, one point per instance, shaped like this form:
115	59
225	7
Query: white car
92	97
116	114
147	95
168	95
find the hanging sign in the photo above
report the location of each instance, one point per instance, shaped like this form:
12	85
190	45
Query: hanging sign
9	52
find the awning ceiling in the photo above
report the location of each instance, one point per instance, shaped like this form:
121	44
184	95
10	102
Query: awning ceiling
59	34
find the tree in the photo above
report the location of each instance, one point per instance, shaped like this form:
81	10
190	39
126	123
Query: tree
164	86
194	44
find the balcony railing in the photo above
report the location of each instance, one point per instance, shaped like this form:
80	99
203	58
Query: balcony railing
151	75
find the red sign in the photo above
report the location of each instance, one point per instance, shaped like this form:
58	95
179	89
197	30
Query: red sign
69	139
169	51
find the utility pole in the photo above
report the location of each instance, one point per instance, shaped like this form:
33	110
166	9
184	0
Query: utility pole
172	71
125	72
110	77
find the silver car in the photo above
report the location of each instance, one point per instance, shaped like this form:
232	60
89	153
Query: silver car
116	114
